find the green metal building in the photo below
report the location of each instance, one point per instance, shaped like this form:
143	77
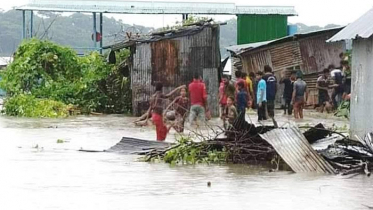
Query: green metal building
258	28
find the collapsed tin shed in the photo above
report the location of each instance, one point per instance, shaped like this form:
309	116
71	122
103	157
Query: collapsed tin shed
361	32
308	52
173	57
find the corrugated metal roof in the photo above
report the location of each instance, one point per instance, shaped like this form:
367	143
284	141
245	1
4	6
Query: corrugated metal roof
132	146
243	47
153	7
362	27
238	49
170	34
295	150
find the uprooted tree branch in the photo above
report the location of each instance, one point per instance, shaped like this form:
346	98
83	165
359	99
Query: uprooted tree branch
243	144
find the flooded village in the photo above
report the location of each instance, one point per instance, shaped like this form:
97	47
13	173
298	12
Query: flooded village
173	119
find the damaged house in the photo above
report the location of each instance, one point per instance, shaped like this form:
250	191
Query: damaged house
173	57
308	52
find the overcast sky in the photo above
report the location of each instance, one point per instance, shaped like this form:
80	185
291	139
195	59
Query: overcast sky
311	12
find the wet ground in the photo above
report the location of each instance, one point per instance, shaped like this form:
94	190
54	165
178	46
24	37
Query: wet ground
39	173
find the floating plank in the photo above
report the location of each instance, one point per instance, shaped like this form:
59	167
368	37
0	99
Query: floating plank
295	150
135	146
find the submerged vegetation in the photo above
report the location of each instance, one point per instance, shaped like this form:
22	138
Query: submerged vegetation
46	78
28	106
187	151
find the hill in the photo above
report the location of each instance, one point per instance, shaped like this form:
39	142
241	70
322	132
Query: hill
76	30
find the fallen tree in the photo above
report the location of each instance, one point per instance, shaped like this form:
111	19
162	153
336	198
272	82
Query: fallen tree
241	144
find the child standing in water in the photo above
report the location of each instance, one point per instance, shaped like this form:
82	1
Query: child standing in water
230	113
156	108
181	107
242	101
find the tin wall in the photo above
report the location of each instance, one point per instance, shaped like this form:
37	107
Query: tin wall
279	57
361	93
174	62
317	54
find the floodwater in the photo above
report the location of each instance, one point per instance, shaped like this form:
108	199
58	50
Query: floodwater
39	173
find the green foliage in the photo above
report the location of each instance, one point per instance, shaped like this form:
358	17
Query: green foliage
191	20
37	64
49	71
29	106
194	19
189	152
343	110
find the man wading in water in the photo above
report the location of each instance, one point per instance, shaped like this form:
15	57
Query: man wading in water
198	100
300	96
156	108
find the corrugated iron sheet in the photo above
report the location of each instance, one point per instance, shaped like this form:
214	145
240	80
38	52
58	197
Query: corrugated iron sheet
318	54
141	78
286	55
362	27
295	150
135	146
165	70
242	47
239	49
279	57
173	62
256	61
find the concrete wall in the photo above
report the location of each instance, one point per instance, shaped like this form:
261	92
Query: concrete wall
361	119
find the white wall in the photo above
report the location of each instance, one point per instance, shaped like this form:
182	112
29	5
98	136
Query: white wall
361	118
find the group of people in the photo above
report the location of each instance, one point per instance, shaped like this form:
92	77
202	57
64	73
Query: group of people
337	79
177	111
256	90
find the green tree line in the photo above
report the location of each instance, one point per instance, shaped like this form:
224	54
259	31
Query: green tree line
76	30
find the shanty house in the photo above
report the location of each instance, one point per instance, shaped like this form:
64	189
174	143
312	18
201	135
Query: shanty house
172	57
308	52
361	32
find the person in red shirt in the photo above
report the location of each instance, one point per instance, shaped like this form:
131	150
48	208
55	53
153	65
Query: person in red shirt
240	79
198	99
156	109
226	89
207	110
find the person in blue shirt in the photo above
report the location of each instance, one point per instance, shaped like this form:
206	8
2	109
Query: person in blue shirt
271	85
241	98
261	96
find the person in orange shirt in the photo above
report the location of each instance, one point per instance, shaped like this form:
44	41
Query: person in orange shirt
250	87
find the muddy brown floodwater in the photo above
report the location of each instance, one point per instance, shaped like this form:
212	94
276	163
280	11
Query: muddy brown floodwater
38	173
